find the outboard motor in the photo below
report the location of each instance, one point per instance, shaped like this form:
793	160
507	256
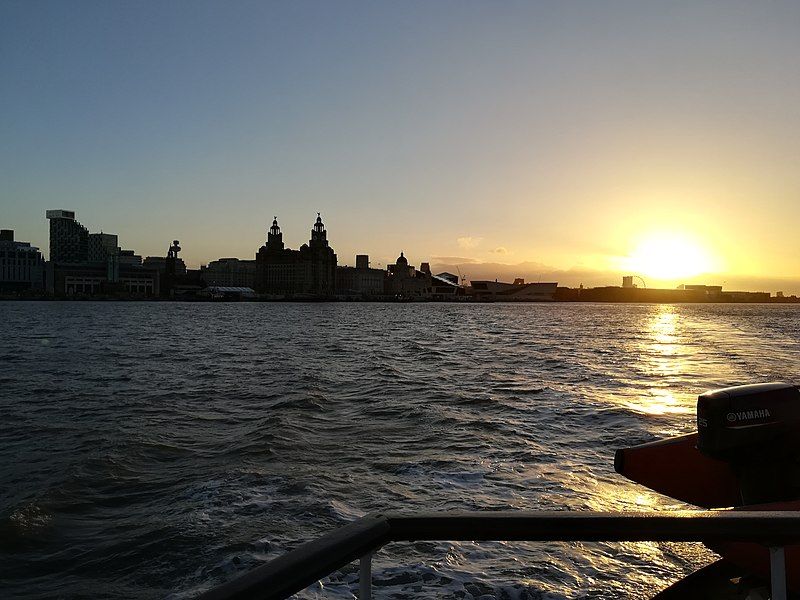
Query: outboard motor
756	429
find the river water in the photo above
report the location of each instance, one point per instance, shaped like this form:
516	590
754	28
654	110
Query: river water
154	450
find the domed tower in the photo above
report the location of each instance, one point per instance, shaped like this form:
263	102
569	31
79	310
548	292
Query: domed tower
274	236
400	269
319	237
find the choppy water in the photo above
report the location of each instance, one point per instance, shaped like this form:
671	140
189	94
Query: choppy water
155	449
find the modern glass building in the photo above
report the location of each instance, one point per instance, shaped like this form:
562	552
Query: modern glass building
69	240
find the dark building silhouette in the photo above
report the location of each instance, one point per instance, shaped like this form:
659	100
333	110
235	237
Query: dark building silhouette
309	271
84	264
159	263
93	279
519	291
176	279
101	246
21	265
360	282
69	240
406	282
445	286
230	272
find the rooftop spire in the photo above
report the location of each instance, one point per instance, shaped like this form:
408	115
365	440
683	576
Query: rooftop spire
319	237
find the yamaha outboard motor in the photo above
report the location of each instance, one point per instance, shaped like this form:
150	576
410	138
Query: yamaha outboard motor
755	428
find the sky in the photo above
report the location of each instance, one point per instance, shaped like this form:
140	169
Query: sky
568	141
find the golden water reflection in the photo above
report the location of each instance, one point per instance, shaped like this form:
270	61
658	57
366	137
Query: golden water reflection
663	357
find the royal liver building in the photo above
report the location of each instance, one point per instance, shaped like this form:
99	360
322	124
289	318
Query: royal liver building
309	271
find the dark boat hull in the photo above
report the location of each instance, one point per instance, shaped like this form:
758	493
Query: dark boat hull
676	468
721	580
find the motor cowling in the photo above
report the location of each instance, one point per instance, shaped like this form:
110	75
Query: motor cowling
740	422
755	429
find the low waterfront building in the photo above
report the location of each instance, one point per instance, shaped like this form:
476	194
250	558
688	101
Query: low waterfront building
21	265
307	272
360	281
745	297
519	291
97	279
712	293
224	292
230	272
445	286
129	258
159	263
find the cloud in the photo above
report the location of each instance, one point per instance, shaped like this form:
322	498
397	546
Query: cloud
499	250
453	260
468	242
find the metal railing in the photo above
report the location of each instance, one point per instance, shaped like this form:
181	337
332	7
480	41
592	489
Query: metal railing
310	562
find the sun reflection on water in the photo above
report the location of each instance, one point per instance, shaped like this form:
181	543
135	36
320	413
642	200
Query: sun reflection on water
663	358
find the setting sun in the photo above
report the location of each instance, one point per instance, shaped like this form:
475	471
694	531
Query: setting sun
668	256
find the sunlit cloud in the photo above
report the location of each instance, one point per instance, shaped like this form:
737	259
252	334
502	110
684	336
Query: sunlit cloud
454	260
499	250
469	242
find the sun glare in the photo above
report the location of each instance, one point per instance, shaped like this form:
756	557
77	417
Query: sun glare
669	256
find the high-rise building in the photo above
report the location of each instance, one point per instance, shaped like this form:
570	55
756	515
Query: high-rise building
69	240
309	271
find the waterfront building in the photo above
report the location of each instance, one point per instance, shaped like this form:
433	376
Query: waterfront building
360	281
102	246
309	271
405	282
69	240
230	272
451	277
159	263
84	264
176	280
744	297
93	279
130	258
219	292
711	292
445	286
519	291
21	265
